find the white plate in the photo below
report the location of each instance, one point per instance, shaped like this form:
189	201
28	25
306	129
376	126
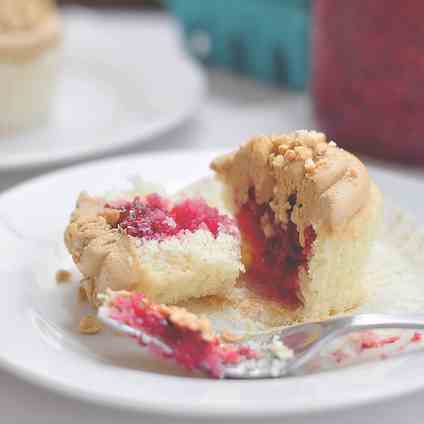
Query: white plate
118	86
37	318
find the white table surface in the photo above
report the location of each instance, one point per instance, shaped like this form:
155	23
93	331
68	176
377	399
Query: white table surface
234	110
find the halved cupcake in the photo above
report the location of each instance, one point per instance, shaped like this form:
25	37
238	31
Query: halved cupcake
168	251
307	212
30	35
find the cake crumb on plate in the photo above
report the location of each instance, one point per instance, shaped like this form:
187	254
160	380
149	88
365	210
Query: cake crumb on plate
63	276
89	324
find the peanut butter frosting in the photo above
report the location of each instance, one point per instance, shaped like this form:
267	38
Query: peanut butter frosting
331	185
103	255
27	27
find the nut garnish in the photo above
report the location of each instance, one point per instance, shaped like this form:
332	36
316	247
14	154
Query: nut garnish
229	337
111	216
283	148
304	152
278	161
321	148
290	155
321	162
184	318
89	324
351	173
310	166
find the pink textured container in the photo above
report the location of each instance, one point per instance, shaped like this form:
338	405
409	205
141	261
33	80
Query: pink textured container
368	75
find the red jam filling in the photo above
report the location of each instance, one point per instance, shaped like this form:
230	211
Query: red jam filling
188	347
153	217
274	262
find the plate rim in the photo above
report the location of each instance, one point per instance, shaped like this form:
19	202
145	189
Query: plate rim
178	410
137	134
34	377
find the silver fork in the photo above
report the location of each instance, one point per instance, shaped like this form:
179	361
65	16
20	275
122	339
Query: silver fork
305	341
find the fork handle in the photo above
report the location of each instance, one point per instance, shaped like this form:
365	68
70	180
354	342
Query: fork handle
381	321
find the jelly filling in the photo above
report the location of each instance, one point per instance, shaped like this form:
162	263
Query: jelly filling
153	217
273	263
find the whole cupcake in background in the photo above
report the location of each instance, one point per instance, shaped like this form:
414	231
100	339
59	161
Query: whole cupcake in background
30	36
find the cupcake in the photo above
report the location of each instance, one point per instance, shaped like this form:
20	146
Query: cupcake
308	212
30	35
170	252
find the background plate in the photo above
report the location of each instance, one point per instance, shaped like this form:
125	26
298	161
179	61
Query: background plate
114	90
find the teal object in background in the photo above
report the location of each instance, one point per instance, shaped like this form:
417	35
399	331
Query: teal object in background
265	39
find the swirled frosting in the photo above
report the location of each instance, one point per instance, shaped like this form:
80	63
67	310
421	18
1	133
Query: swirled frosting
330	184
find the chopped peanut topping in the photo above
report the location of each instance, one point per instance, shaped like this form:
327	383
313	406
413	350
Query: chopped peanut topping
352	173
229	337
290	155
182	317
321	148
283	148
320	162
304	152
111	216
310	166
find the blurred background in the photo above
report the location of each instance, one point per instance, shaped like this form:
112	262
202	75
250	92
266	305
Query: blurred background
145	75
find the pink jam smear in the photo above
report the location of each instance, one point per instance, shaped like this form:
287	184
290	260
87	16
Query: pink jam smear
371	340
416	337
153	217
189	348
